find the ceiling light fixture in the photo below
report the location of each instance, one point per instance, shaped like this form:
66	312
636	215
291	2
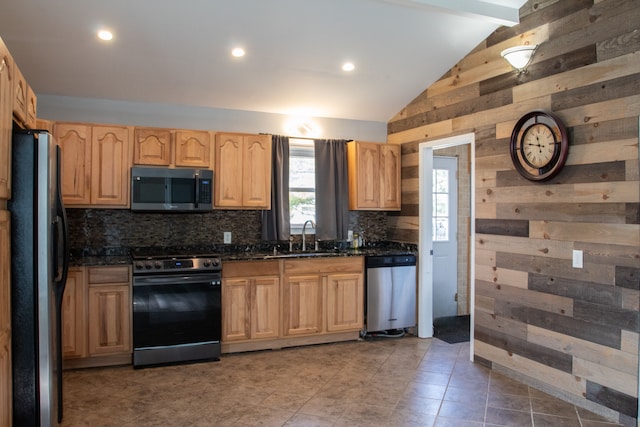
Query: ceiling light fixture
238	52
105	35
519	57
348	66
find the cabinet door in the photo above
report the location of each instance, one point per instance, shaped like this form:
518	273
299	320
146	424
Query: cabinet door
6	108
193	149
110	166
390	168
74	331
236	316
20	97
109	319
256	172
265	307
5	321
345	302
227	181
75	142
152	147
31	108
368	175
303	305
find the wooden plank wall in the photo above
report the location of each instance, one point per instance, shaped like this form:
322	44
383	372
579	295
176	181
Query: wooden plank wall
575	331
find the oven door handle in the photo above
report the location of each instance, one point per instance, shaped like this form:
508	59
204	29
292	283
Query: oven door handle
173	279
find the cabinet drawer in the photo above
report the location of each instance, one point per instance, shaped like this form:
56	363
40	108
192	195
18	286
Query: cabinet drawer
350	264
250	268
100	275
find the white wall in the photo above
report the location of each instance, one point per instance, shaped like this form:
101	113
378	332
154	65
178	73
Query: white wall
64	108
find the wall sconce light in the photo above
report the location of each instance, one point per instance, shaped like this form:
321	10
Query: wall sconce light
519	57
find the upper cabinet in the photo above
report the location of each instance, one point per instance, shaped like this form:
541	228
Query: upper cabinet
243	171
20	96
6	112
374	176
95	164
152	147
193	149
166	147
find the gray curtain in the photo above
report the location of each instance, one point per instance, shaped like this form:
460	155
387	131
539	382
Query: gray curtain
332	190
275	223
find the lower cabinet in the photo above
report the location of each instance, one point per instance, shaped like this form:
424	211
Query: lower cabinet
96	316
323	295
250	300
281	303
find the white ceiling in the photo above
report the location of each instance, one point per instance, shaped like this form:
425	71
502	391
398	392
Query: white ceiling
178	52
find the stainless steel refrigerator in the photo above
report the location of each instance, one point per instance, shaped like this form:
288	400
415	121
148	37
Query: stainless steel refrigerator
39	264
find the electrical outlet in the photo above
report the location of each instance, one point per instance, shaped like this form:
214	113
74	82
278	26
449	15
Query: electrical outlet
577	259
227	237
350	236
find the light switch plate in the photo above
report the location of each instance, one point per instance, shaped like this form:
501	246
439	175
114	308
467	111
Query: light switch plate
227	237
577	258
350	236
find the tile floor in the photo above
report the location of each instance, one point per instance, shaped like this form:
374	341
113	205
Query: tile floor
377	382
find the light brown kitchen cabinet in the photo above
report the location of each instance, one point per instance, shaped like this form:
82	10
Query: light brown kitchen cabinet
74	324
243	171
6	114
5	321
152	147
345	302
32	103
323	295
110	165
250	300
96	164
193	149
75	141
20	95
303	304
374	176
109	310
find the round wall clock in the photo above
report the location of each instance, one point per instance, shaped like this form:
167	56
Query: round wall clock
539	145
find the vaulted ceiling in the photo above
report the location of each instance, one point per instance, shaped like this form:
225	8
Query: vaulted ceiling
179	52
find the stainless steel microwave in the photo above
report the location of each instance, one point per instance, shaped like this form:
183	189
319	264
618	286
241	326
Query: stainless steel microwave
173	190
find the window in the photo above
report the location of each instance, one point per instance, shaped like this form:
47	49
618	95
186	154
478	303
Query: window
440	205
302	183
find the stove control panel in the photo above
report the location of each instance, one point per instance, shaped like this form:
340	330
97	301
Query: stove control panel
177	264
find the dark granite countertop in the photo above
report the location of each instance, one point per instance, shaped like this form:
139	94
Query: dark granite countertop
122	256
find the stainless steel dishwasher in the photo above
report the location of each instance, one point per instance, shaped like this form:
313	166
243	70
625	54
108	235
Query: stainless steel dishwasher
391	292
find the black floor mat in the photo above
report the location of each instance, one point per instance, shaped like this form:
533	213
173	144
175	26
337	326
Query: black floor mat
453	329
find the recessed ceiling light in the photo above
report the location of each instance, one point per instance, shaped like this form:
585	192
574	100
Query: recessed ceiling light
237	52
348	66
105	35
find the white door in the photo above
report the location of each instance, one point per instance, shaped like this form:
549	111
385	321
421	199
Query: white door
445	231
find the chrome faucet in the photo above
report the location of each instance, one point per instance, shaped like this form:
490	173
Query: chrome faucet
304	229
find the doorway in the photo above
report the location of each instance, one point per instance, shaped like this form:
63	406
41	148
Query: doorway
445	236
425	244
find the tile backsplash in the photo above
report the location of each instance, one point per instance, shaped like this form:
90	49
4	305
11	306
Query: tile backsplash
115	228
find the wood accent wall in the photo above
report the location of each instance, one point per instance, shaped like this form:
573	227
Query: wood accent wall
573	332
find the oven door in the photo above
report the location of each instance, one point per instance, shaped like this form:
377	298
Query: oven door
172	310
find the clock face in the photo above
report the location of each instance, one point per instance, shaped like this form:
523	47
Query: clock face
539	146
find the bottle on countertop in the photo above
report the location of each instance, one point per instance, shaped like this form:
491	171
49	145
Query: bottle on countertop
356	241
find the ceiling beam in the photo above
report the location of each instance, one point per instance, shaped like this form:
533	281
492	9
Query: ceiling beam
492	12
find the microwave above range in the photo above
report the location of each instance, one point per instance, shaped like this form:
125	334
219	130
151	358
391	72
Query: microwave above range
172	190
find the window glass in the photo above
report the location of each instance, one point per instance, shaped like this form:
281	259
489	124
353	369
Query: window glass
440	205
302	183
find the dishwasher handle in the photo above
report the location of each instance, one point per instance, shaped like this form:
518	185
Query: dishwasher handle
383	261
